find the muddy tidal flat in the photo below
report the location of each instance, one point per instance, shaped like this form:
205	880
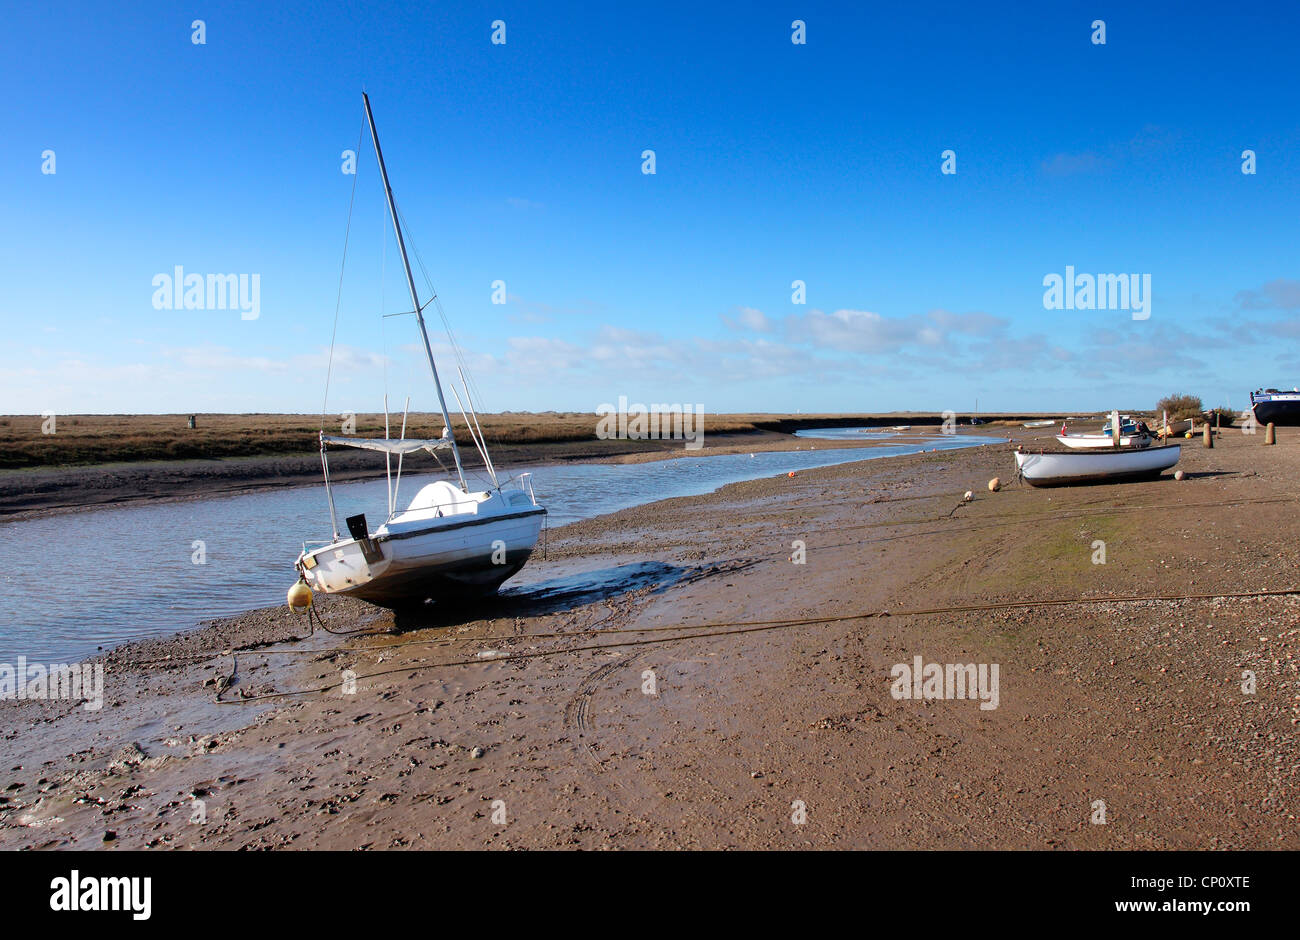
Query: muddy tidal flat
720	671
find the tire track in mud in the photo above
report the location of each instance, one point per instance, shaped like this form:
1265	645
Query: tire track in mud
577	711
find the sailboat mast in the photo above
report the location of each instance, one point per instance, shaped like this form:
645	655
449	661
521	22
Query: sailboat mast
410	283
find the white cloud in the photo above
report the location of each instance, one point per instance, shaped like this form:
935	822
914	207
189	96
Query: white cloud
1279	294
867	332
748	318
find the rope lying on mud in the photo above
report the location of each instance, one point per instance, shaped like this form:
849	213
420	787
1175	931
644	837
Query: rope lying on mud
1016	519
261	646
1019	518
728	628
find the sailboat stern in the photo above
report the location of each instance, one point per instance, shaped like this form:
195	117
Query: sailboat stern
342	566
462	554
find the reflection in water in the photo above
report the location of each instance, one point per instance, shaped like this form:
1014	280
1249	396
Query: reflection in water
94	578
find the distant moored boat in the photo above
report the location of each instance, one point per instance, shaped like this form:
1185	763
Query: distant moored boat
1132	434
1274	406
1095	441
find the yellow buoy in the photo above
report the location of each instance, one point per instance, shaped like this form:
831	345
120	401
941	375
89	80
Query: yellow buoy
994	485
299	597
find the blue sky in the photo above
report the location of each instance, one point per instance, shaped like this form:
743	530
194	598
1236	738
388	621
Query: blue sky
775	162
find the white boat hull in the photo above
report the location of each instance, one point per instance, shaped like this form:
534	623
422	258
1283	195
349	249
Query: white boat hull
455	556
1097	466
1097	441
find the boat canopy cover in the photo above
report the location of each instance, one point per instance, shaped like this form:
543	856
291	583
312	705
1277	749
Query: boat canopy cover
389	445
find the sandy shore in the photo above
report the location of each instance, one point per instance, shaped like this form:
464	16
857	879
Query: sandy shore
446	744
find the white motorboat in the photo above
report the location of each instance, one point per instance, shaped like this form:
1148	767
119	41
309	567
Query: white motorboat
1045	468
1131	434
1093	441
449	543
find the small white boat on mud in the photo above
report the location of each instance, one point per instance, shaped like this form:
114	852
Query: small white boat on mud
450	543
1132	434
1095	441
1113	465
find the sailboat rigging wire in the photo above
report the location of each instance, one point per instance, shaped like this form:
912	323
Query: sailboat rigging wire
388	456
482	444
400	457
338	302
383	296
410	283
472	391
329	492
482	451
467	378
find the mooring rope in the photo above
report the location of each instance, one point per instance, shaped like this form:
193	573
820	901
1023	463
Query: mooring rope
737	627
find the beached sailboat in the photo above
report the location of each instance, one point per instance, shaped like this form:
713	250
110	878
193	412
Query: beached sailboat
449	543
1116	464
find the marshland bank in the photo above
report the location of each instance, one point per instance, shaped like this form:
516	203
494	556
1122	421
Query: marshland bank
712	741
96	460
